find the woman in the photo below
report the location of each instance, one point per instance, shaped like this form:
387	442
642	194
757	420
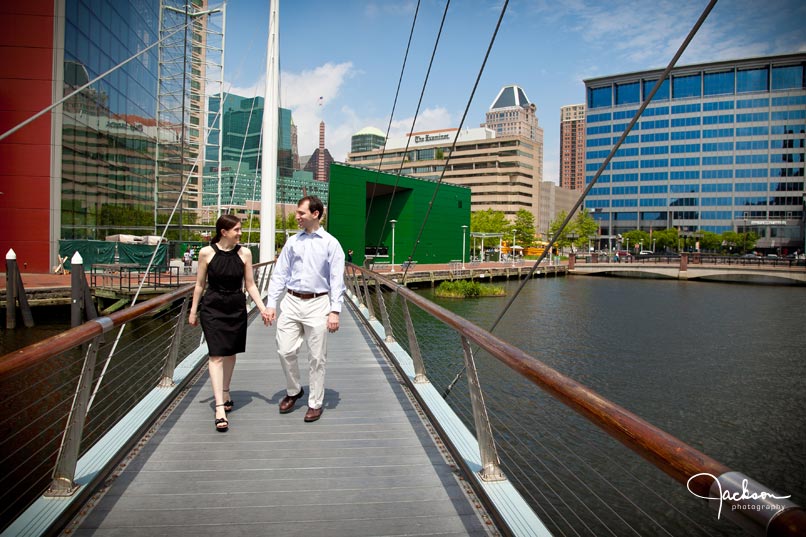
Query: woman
226	268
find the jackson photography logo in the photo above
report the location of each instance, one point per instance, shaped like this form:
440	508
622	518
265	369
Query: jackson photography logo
736	498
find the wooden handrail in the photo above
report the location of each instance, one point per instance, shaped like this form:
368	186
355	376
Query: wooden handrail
43	350
674	457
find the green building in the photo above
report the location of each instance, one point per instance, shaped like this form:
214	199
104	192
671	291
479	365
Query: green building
357	215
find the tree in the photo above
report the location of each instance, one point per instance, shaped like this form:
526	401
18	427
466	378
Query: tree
743	242
665	239
636	237
488	221
562	241
710	241
524	228
584	226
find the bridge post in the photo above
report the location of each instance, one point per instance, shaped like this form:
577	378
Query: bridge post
414	347
65	469
387	325
167	380
490	463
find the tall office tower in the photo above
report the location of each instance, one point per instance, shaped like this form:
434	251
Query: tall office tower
719	148
239	179
88	169
572	147
512	114
367	139
294	147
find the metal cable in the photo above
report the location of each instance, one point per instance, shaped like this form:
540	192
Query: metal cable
413	121
456	137
598	173
392	115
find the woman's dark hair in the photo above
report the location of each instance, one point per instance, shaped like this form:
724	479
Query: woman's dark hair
314	204
225	222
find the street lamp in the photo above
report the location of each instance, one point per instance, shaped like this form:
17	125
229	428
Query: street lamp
512	250
393	222
464	229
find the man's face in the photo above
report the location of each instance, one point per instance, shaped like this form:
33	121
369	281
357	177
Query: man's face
305	219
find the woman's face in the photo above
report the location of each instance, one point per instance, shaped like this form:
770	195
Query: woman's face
234	234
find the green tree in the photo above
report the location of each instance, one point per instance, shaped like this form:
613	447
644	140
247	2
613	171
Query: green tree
488	221
562	241
585	227
665	239
637	236
710	241
524	228
740	242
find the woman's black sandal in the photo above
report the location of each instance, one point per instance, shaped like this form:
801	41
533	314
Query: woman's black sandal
221	421
228	404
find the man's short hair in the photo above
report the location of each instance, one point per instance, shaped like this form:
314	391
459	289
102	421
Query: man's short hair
314	204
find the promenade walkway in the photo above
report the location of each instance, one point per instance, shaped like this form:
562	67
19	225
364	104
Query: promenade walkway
368	467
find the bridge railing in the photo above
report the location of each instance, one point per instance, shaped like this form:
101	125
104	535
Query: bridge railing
64	396
403	317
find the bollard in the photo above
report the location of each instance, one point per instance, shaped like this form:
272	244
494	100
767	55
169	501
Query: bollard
15	290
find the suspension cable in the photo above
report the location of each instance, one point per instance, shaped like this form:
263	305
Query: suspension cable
456	136
598	173
88	84
414	119
392	115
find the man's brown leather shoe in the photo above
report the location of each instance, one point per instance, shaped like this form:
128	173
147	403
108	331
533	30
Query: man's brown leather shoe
287	404
314	414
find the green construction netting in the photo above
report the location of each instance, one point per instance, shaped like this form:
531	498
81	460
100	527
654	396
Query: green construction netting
91	252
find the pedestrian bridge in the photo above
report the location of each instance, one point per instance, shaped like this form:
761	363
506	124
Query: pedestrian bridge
702	268
110	432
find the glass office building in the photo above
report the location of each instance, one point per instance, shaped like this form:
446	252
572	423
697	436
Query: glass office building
720	147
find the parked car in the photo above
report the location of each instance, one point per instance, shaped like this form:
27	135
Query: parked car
646	252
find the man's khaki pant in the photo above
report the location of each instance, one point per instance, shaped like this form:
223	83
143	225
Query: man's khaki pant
304	320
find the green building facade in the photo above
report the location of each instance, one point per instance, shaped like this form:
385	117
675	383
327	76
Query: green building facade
357	215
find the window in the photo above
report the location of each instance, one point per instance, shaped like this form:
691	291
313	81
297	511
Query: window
683	189
686	86
748	80
722	105
717	161
718	83
789	77
600	97
661	95
628	93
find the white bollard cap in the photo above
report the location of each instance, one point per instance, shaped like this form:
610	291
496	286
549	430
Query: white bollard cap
11	254
76	259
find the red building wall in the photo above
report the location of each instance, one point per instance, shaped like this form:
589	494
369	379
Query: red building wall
26	87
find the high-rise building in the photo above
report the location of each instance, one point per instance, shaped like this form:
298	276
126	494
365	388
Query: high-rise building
511	113
367	139
572	147
721	147
241	155
91	167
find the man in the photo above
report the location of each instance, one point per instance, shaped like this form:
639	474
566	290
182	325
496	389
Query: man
311	268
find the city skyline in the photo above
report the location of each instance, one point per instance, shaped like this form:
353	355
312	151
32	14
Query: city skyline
350	54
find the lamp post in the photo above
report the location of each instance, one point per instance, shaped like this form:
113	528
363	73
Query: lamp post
464	229
653	246
512	250
393	222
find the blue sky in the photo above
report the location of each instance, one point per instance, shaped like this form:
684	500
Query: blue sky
350	52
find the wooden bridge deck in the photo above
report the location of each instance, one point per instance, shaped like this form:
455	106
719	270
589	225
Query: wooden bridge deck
368	467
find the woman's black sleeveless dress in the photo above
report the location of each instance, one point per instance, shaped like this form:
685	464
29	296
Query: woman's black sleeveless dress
223	307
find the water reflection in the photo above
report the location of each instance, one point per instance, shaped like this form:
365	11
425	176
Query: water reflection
719	366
